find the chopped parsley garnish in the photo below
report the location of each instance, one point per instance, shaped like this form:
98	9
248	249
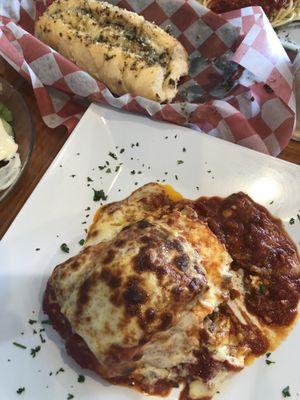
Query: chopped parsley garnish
42	339
89	179
268	362
37	249
209	171
99	195
261	288
59	370
271	202
298	216
292	221
107	162
132	172
64	247
72	176
32	321
179	162
81	242
108	171
268	355
20	345
184	149
35	350
117	168
46	321
113	155
34	332
70	396
122	151
81	378
42	330
101	167
176	177
87	209
20	390
286	392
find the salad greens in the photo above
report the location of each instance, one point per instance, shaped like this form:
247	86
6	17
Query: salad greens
6	117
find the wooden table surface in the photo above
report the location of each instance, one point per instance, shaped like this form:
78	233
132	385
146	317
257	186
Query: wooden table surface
47	144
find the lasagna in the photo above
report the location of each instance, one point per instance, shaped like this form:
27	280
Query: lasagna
171	292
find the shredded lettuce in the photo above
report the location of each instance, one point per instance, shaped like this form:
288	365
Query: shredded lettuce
5	113
8	128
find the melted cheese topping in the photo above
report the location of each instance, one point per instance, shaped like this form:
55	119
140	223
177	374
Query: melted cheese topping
151	275
153	297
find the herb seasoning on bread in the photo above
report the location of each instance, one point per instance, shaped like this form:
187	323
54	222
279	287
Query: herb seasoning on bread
118	47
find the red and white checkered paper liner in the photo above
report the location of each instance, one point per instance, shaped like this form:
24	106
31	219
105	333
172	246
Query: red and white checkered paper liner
259	112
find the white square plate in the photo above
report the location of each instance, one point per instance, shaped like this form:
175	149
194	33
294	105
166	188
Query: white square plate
56	213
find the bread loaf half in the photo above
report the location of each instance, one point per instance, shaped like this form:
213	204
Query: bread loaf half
119	48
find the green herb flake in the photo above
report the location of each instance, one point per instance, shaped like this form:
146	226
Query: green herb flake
72	176
286	392
268	362
34	332
122	151
34	351
184	149
37	249
179	162
108	171
271	202
65	248
20	390
70	396
81	378
113	155
176	177
42	339
292	221
117	168
101	167
46	322
81	242
268	355
261	288
89	179
32	321
99	195
59	370
132	172
19	345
